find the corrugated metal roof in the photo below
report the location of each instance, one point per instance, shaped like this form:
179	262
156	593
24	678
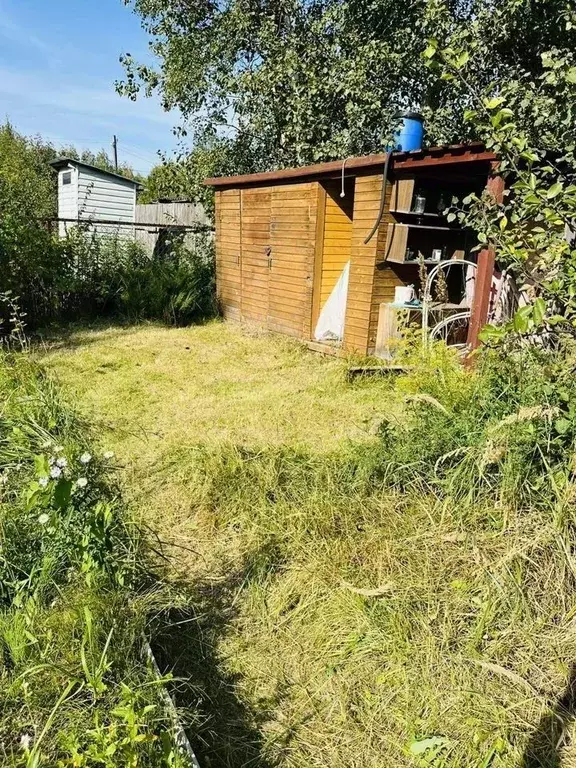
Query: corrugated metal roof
64	162
429	156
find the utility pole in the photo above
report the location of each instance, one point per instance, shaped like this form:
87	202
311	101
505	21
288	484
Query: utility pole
115	148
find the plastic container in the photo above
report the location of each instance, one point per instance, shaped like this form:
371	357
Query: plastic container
403	294
411	133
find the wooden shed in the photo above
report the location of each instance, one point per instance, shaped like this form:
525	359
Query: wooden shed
285	238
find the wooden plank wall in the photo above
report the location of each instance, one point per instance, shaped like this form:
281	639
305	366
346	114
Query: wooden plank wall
255	240
293	242
386	277
371	282
363	264
228	268
337	239
265	252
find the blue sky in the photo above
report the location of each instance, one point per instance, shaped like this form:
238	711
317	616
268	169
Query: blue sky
58	64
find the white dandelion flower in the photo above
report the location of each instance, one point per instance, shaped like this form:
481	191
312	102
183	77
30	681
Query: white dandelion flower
3	478
55	473
51	460
26	741
82	482
43	482
86	458
44	518
108	455
62	462
59	448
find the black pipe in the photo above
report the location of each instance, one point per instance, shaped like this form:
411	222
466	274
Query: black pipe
382	199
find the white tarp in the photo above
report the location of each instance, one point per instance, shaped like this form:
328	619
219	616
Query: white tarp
330	325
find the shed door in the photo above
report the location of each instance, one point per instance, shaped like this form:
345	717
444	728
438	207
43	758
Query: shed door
227	218
255	235
293	238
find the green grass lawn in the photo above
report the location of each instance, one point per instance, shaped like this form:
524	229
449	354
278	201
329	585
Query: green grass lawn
327	619
158	389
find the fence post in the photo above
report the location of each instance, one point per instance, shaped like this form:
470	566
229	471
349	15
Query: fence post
485	271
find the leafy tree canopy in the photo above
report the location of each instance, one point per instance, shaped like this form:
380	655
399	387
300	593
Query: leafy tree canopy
271	83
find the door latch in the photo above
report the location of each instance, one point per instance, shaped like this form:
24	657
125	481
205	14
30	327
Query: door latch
268	252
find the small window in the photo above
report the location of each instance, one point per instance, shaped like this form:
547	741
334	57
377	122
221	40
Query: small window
67	177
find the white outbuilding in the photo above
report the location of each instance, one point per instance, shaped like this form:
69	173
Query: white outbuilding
87	193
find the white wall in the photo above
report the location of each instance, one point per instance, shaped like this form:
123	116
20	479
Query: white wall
67	198
105	197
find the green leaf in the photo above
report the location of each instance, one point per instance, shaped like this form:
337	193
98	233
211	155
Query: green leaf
421	746
521	321
462	60
571	75
554	190
503	223
491	334
494	103
41	466
62	494
538	311
562	425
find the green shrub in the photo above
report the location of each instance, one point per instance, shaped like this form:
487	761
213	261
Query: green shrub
90	275
75	689
178	287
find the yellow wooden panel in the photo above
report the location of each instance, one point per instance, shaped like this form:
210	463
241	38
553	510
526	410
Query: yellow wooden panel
336	244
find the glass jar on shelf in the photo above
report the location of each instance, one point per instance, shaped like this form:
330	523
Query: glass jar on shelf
419	203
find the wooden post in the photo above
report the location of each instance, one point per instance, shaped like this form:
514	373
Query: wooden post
485	272
318	256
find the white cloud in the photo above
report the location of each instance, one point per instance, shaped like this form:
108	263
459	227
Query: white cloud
94	99
39	103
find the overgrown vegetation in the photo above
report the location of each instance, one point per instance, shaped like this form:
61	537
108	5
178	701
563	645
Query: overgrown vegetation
75	688
531	227
292	82
405	599
90	273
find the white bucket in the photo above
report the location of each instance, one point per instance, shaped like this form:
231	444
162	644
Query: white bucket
403	294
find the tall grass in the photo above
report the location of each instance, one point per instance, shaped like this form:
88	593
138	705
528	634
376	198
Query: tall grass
404	603
94	275
74	599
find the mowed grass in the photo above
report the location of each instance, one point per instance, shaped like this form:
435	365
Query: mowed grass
334	619
159	396
156	388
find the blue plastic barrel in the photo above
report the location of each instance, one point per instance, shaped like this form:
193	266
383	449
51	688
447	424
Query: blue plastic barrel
411	133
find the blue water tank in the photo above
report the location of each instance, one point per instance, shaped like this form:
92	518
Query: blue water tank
410	135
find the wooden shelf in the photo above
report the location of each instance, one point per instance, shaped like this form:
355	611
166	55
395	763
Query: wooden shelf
414	214
427	262
437	227
415	262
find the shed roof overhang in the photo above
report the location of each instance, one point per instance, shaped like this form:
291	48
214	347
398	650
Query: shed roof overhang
401	161
69	162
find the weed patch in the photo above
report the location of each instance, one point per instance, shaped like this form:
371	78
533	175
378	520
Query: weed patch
74	596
